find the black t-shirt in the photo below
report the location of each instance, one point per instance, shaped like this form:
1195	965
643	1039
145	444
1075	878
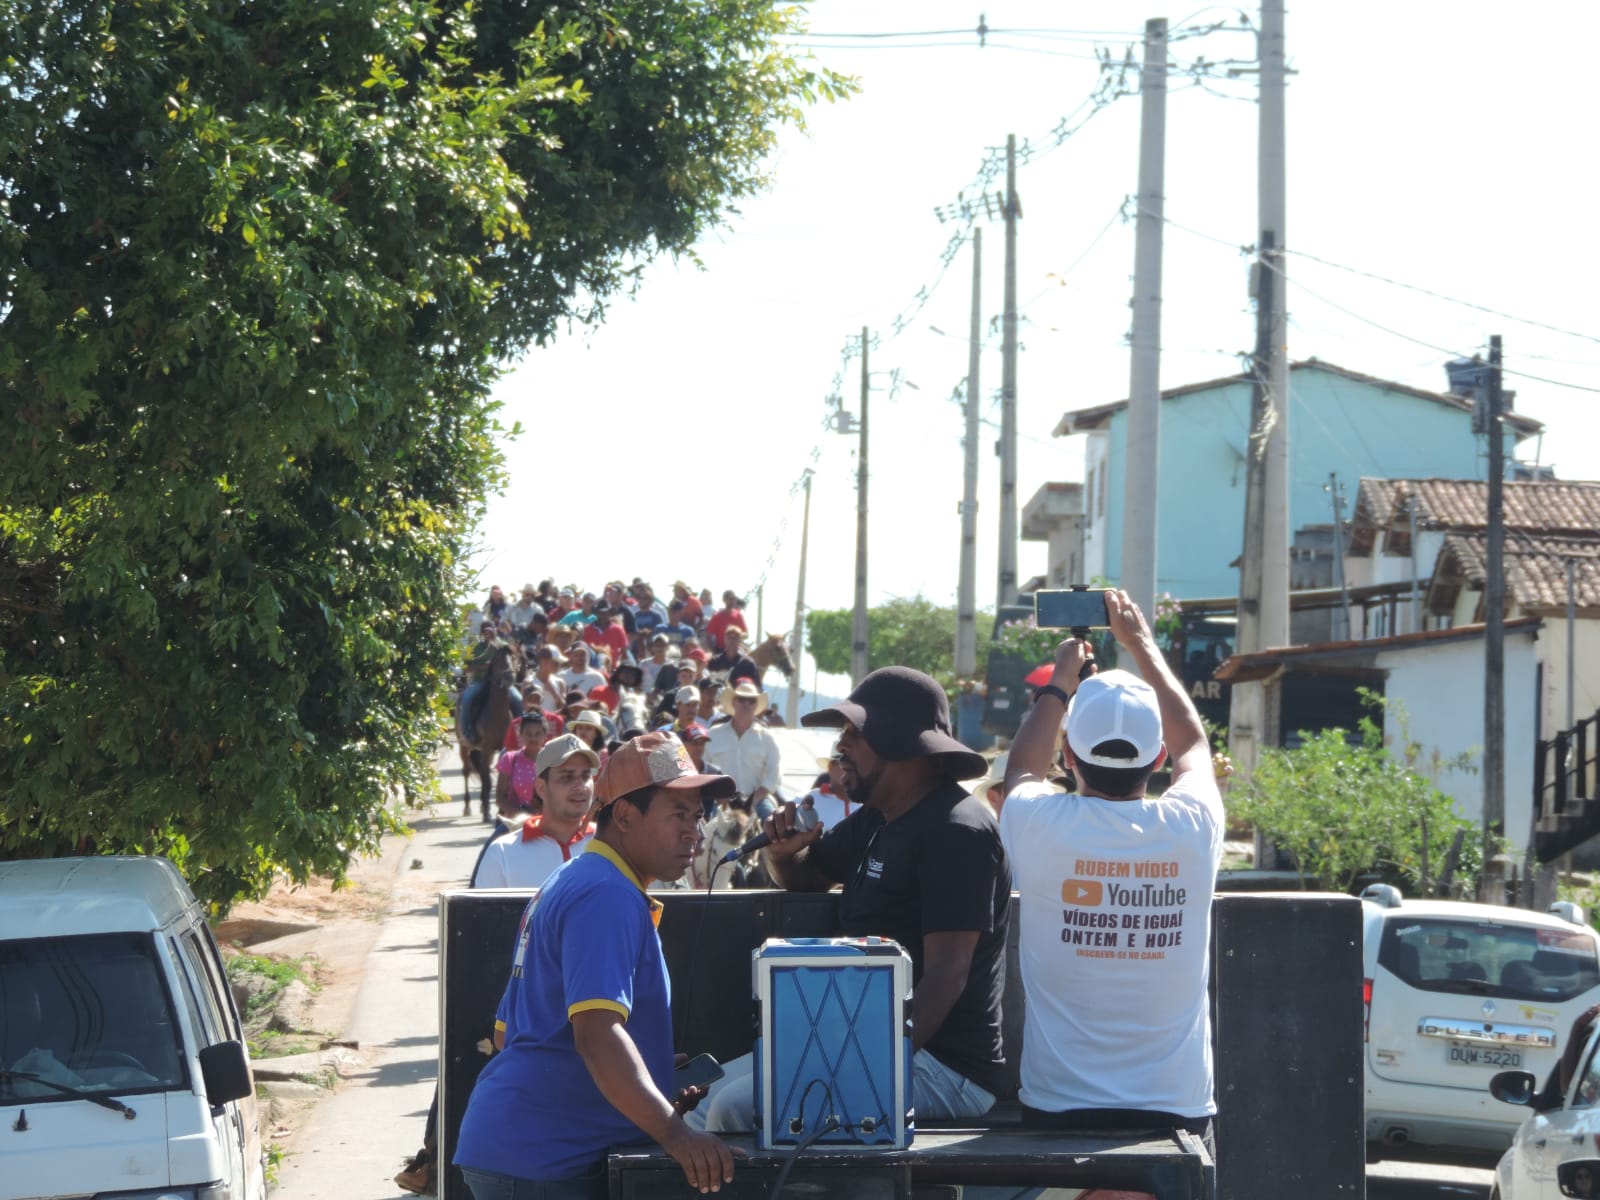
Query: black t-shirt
939	868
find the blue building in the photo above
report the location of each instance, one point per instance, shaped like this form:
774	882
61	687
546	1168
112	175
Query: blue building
1340	422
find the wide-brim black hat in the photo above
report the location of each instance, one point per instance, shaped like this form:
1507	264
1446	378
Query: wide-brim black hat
903	714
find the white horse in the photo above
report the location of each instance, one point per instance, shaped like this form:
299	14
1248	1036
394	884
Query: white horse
726	829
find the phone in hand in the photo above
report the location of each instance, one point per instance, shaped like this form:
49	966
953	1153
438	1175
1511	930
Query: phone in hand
701	1071
1075	608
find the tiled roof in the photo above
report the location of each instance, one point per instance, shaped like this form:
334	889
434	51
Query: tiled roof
1567	507
1082	420
1535	571
1242	668
1560	508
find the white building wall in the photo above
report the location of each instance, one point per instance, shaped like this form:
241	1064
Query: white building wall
1096	501
1586	673
1441	686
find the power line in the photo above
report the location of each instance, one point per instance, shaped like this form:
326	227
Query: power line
1412	287
1250	251
1378	325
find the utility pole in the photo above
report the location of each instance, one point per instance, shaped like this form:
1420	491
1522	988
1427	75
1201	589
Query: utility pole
858	637
1336	495
1006	592
761	612
791	700
1273	205
1494	636
1142	459
966	660
1264	565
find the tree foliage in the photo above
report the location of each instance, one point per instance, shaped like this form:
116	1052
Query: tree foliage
1343	810
259	267
907	632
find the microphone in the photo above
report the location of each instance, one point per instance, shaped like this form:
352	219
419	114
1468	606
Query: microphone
805	819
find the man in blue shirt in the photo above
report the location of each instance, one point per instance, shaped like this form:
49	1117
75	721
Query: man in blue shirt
588	1059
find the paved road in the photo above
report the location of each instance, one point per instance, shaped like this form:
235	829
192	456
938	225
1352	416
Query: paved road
355	1141
1421	1181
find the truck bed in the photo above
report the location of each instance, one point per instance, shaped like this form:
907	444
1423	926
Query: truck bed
1171	1166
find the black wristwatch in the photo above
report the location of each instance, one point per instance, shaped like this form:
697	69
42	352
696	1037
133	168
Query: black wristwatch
1051	689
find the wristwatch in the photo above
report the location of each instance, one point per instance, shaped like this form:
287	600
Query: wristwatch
1051	689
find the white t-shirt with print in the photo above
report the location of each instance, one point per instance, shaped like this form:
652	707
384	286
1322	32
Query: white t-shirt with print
1115	934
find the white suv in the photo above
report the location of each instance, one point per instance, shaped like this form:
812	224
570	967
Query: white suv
1455	992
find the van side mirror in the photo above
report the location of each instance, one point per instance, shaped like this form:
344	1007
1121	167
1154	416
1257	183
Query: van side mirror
1579	1177
1514	1087
225	1073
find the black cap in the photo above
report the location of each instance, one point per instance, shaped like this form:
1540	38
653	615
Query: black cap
903	714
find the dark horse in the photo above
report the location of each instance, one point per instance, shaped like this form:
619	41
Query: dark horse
492	724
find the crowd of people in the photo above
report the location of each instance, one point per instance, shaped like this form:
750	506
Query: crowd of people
607	668
621	654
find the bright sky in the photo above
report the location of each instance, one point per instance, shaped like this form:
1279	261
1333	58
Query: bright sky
1437	143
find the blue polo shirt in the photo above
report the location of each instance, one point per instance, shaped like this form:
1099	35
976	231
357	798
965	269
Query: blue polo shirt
587	941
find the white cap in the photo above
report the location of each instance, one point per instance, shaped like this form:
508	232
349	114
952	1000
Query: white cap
1114	706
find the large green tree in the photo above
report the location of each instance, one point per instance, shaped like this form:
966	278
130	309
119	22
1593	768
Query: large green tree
259	267
907	631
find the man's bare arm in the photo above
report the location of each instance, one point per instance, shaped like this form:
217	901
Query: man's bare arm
946	962
1181	729
1029	759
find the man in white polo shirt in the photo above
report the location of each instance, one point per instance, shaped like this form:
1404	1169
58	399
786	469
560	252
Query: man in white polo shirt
564	787
1116	892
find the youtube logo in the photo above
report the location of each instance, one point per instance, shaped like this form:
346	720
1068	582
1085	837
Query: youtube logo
1085	892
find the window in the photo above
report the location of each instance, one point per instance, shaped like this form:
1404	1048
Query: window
1588	1089
215	1012
92	1012
1490	958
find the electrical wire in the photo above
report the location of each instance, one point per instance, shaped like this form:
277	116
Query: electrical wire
827	1125
1454	353
694	945
1252	252
1412	287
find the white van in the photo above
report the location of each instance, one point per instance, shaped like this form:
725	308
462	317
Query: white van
123	1070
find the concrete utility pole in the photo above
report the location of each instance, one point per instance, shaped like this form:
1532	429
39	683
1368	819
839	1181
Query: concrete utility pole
1142	460
791	700
1271	186
966	661
858	637
1006	592
1264	568
1494	633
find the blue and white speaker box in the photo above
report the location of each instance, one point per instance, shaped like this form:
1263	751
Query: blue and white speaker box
833	1041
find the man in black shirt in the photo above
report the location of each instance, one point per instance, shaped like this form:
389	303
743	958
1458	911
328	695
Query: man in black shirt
920	862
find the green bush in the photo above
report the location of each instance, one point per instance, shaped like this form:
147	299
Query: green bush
1347	808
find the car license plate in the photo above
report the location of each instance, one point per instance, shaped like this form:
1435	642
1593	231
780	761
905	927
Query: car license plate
1477	1056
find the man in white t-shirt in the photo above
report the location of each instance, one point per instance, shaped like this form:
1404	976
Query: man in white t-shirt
579	676
525	857
1116	893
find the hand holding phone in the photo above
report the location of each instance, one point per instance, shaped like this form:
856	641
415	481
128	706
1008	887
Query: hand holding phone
691	1080
1076	608
701	1071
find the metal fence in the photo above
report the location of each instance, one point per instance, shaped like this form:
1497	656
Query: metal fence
1566	773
